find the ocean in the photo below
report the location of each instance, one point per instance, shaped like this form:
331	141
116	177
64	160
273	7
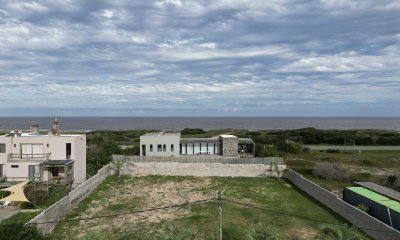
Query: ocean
207	123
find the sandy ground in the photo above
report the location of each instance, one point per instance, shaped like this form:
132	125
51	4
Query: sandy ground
153	195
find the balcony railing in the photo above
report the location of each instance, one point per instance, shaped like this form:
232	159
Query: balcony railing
28	157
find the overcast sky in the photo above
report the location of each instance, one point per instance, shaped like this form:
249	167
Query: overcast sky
200	58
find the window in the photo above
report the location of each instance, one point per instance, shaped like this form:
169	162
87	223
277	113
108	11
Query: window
159	148
14	166
164	147
31	149
172	147
54	171
151	147
2	148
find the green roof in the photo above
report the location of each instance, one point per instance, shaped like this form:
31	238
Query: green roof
376	197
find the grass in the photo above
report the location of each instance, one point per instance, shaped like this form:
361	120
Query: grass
278	196
371	166
383	159
21	217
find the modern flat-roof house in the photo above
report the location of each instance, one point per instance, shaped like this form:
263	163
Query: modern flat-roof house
171	144
43	157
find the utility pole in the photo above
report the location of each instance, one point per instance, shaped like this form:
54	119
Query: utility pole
219	230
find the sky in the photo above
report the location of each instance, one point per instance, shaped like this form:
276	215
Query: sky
200	58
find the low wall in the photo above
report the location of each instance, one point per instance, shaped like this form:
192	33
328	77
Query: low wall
203	169
47	220
204	159
373	227
201	166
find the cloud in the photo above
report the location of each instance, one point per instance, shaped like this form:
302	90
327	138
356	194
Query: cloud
207	57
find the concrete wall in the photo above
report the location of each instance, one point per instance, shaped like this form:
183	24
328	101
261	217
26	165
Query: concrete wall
202	166
204	169
156	139
373	227
47	220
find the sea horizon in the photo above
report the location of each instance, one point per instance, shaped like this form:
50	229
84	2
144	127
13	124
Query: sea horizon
91	123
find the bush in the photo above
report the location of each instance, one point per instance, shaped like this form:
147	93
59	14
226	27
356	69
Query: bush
192	131
261	232
363	207
289	147
331	171
332	150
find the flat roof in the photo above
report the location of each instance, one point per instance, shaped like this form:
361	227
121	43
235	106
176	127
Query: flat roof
189	140
156	134
227	136
380	189
376	197
39	135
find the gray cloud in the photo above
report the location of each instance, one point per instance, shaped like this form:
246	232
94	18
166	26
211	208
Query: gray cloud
175	57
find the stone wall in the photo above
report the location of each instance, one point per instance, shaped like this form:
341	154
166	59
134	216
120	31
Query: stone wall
373	227
230	146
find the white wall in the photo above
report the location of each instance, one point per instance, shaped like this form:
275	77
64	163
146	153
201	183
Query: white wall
160	139
56	147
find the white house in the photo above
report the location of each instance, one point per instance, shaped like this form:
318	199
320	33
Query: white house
160	144
163	144
43	157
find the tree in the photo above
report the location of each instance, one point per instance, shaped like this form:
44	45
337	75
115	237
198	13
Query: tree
120	162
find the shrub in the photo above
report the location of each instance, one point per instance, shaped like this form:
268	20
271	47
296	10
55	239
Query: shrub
332	150
363	207
261	232
331	171
362	177
192	131
171	232
338	232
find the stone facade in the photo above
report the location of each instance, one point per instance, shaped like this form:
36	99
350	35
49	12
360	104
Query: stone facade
229	146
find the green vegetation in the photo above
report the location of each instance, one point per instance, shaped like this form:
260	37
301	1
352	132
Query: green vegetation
191	131
18	232
381	167
21	217
126	194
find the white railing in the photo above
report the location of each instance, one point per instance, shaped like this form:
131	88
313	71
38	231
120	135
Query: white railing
41	157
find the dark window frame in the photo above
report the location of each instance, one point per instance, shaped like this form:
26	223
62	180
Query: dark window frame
3	148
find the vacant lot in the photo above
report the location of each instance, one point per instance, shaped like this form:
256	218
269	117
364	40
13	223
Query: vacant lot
373	166
128	194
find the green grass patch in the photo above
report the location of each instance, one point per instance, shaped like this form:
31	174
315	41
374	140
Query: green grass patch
282	201
21	217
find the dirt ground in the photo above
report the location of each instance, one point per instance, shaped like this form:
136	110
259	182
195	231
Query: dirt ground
148	196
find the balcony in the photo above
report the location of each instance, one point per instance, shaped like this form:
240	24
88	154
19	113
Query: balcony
41	157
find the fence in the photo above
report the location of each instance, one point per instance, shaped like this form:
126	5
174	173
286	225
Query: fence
206	159
47	220
373	227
